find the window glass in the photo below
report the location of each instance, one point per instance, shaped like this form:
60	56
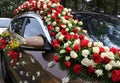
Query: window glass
16	25
32	28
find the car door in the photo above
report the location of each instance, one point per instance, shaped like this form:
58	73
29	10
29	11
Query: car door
31	67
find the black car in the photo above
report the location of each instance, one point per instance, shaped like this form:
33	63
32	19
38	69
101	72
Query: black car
101	27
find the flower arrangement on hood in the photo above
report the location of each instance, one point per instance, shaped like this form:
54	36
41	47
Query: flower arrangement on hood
76	53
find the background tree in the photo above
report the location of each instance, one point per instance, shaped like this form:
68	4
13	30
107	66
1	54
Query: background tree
7	7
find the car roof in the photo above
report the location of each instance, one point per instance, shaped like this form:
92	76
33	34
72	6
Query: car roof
5	18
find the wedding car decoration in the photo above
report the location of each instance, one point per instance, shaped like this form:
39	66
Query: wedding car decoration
78	55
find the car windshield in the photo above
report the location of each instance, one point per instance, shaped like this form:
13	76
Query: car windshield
101	27
4	23
106	29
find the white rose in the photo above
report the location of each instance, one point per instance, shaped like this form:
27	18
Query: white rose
99	72
57	29
95	49
48	22
106	48
75	21
79	28
110	55
85	62
38	4
53	11
108	67
58	35
69	10
99	44
69	25
44	6
59	15
65	9
49	16
61	37
66	45
67	29
63	13
67	58
85	53
80	23
62	51
112	63
118	64
77	41
41	12
103	54
54	23
90	44
64	21
85	37
71	33
73	54
54	5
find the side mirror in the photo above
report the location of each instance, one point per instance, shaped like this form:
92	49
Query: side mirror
35	42
31	43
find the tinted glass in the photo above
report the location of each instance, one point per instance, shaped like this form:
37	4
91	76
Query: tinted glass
102	28
17	24
32	28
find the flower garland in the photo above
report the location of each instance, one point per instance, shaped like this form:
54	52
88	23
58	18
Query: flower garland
79	56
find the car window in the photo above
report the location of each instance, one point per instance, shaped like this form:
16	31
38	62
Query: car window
32	28
17	24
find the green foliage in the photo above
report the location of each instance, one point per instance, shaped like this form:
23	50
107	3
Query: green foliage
7	7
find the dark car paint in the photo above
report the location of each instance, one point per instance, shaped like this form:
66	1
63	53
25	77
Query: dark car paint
48	74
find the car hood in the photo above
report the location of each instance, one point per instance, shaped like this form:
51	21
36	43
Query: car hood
2	29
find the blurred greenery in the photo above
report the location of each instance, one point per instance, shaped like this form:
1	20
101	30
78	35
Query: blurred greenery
7	7
111	7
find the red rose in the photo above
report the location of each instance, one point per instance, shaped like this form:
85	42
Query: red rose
91	70
57	20
13	54
71	36
75	30
76	47
52	34
116	75
64	32
66	17
56	46
56	58
3	41
50	27
61	25
67	37
68	49
101	49
76	36
114	50
96	57
77	68
106	59
67	64
30	1
54	17
84	43
81	37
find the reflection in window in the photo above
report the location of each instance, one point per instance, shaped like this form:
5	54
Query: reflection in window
32	28
16	25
